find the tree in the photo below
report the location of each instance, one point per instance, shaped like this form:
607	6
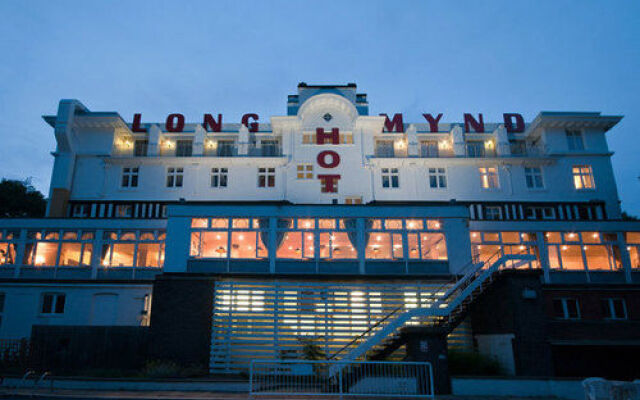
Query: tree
19	199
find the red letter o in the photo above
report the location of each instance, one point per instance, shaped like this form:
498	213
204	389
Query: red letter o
335	159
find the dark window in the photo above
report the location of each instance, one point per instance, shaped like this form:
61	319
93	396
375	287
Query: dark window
53	303
140	147
266	177
184	148
614	308
219	177
566	308
226	148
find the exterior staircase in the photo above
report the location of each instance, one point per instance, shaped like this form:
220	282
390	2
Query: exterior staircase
448	307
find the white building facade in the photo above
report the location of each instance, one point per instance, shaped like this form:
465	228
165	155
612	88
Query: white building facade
314	224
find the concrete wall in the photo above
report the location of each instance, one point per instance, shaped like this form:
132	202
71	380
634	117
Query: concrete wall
472	386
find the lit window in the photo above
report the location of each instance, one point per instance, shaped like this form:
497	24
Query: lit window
583	177
533	177
390	178
184	148
337	245
219	177
488	177
437	178
326	187
175	177
353	200
199	222
124	211
129	177
52	303
304	171
574	140
614	308
266	177
566	308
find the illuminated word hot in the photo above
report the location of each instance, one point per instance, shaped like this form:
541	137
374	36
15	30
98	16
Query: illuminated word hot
328	159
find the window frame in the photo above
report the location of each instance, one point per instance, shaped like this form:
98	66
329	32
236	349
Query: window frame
219	175
575	139
174	176
530	176
577	172
266	177
391	177
55	296
565	309
486	175
612	316
130	177
437	175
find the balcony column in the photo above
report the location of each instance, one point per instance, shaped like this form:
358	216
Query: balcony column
243	141
154	141
198	141
457	137
502	142
412	142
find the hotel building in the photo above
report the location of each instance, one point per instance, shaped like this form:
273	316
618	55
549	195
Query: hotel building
240	241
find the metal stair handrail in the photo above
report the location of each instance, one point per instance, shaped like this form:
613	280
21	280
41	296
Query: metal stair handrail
465	287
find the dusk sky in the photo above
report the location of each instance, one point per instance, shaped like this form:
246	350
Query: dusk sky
237	57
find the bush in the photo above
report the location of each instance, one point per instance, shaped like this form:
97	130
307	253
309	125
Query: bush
472	363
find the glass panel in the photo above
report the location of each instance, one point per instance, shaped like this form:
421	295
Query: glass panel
45	254
69	235
379	246
433	224
325	245
309	245
240	223
599	258
633	237
86	254
433	246
552	237
397	246
51	235
194	248
554	259
148	255
147	236
214	245
327	223
414	249
199	222
110	235
634	254
162	235
528	237
374	224
122	255
219	223
571	237
571	257
396	224
128	236
510	237
491	236
306	223
342	247
484	252
291	246
70	254
243	244
87	235
475	237
590	237
7	253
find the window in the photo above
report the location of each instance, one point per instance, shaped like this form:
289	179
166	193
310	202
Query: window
493	212
488	177
80	210
475	148
390	178
270	148
226	148
129	177
574	140
219	177
124	211
140	147
533	177
353	200
329	185
566	308
384	148
131	249
243	239
429	148
175	177
583	177
614	308
575	251
52	303
304	171
437	178
266	177
184	148
538	212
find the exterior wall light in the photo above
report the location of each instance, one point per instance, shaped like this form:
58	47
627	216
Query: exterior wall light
488	144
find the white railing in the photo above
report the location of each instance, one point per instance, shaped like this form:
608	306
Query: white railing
356	378
442	307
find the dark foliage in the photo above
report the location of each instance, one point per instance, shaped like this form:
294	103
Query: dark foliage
19	200
472	363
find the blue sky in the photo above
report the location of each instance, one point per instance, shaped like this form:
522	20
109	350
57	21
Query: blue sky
235	57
